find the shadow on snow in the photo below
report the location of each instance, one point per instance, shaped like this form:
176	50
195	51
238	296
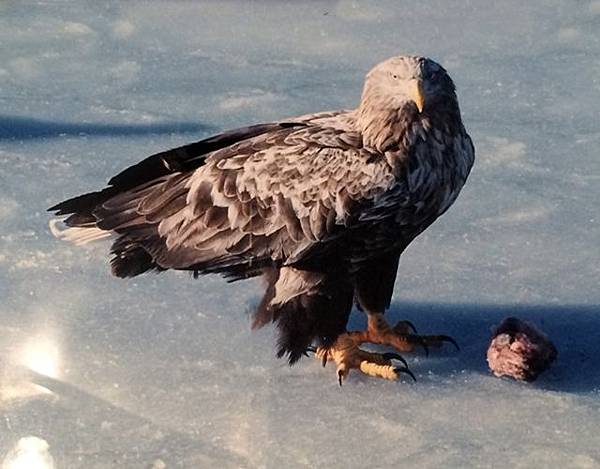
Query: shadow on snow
22	128
574	329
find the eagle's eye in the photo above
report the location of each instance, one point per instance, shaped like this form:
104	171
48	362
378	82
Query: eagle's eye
394	76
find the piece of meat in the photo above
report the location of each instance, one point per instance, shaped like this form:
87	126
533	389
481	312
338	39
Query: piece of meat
519	350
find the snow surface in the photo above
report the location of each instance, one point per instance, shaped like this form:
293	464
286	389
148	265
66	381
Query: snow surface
163	371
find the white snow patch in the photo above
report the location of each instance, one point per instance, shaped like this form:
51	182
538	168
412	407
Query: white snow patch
31	260
123	29
77	29
126	72
529	214
8	208
127	115
25	68
569	34
250	99
503	152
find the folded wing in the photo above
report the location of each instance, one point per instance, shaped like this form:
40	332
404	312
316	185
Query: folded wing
269	195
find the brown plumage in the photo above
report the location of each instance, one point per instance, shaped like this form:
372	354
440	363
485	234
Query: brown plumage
321	205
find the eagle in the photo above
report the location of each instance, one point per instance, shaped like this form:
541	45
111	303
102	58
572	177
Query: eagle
320	206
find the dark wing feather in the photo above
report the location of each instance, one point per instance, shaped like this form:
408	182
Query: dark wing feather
159	165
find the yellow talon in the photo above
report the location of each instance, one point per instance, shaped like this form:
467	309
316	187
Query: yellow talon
346	354
380	371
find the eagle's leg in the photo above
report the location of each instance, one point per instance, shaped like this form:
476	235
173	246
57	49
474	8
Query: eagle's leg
373	289
347	355
402	336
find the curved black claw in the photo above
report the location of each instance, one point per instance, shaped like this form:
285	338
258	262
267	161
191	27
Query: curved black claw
422	342
340	374
410	326
406	371
447	338
324	360
402	325
395	356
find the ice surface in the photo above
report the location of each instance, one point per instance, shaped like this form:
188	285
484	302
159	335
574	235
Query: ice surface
163	371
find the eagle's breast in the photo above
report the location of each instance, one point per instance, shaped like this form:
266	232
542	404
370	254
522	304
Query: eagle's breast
431	164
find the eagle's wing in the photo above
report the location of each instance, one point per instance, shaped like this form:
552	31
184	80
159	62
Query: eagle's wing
273	197
159	165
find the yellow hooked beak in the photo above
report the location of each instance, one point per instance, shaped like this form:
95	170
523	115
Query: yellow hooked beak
417	94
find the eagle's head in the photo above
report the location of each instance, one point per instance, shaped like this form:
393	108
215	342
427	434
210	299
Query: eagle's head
402	90
410	81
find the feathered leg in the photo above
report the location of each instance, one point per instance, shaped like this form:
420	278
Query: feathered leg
307	307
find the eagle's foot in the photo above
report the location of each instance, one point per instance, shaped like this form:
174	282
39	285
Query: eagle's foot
402	336
346	354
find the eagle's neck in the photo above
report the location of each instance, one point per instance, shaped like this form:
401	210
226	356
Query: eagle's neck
384	123
392	128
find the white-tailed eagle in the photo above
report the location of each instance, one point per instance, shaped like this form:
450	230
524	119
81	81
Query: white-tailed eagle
321	206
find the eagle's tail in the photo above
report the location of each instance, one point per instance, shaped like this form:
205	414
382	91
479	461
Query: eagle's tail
130	258
76	223
77	234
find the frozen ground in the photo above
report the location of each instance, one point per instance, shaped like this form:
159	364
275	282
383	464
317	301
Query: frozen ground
162	371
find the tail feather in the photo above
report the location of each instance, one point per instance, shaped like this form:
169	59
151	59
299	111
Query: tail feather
78	235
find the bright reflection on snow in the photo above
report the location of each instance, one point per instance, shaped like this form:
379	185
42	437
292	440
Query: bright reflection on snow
30	452
38	353
41	354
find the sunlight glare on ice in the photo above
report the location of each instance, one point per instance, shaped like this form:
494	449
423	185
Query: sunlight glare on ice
30	452
41	354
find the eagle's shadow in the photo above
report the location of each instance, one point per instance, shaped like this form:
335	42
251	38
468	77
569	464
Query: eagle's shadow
574	329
